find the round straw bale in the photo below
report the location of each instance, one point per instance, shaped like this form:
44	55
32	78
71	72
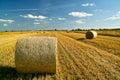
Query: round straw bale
36	55
91	34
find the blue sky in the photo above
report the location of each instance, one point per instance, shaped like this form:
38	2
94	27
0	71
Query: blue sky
59	14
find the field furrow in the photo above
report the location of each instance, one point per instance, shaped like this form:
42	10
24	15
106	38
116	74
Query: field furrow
109	44
92	61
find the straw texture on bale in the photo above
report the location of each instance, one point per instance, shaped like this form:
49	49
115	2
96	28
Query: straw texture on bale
36	55
91	34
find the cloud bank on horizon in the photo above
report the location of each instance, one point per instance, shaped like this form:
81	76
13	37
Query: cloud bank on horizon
53	14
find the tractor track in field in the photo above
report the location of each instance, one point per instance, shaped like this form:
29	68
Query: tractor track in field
68	64
106	43
92	64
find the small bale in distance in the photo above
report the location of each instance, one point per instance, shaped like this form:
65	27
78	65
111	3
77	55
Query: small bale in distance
91	34
36	55
68	31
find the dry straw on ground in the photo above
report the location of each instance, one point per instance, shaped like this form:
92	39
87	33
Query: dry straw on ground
91	34
36	54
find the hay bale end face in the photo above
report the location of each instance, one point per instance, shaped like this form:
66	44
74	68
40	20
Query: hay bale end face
91	34
36	55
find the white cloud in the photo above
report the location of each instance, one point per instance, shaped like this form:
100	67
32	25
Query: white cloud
114	17
5	20
36	23
37	20
80	14
79	21
88	4
34	17
5	25
61	18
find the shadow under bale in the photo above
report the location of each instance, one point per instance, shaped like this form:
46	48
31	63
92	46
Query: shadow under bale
10	73
80	39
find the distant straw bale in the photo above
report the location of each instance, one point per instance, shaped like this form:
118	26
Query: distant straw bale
91	34
36	55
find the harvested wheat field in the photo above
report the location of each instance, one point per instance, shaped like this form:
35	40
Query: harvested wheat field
78	58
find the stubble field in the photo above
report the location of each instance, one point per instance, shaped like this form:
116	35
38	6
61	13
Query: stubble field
78	58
